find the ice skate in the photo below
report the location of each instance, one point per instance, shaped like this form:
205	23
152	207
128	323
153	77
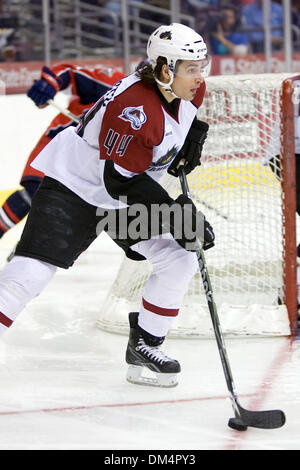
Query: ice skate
143	355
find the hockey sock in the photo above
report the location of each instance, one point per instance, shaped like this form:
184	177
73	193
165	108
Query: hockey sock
16	206
21	280
173	269
156	320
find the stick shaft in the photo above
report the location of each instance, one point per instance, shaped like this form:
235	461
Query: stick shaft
212	308
269	419
64	111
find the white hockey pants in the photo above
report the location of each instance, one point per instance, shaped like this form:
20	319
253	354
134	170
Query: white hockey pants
173	267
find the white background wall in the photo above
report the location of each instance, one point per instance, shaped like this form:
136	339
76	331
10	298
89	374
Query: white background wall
21	125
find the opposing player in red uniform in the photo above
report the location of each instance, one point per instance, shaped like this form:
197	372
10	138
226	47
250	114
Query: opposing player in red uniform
86	87
108	169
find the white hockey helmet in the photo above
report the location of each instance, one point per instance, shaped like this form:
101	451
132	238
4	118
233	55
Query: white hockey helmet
176	42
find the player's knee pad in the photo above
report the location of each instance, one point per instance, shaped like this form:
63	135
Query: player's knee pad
171	263
23	278
178	268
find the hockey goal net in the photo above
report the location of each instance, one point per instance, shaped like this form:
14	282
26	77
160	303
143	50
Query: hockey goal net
253	264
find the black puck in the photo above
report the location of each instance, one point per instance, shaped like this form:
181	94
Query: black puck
237	423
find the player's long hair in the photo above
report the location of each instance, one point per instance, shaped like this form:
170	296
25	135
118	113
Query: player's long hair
147	74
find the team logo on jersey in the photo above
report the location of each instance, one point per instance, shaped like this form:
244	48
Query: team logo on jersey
134	115
165	160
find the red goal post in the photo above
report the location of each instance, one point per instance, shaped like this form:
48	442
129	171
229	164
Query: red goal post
253	266
288	182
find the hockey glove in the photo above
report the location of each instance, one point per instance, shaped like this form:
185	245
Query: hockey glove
44	89
190	153
187	225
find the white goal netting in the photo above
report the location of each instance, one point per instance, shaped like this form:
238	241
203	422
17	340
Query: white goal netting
242	199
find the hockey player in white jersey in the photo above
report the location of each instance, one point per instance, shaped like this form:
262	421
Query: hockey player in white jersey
143	127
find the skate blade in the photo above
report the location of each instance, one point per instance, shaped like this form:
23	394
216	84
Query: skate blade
134	375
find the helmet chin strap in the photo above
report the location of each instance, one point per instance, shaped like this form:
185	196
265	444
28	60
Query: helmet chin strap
167	86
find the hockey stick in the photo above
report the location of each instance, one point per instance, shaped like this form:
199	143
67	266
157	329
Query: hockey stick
269	419
64	111
213	209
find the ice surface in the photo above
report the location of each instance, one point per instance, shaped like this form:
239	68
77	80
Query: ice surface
63	380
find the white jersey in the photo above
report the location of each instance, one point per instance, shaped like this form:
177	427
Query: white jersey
129	126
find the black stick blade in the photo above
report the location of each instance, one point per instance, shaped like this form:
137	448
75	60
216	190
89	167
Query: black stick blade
270	419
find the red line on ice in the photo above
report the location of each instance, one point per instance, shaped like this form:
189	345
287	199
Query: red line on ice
263	388
111	405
